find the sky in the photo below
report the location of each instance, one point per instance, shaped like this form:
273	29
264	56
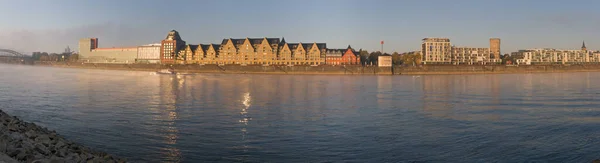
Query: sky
52	25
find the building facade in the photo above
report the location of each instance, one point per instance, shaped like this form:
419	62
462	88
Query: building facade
334	56
351	57
555	56
495	50
246	51
470	56
440	51
384	61
170	47
148	53
90	52
436	51
346	56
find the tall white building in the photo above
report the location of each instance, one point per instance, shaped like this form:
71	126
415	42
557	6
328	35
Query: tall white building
436	51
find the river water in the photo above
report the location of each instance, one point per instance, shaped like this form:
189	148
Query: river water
550	117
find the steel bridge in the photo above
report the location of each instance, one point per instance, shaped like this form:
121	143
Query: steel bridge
11	56
10	53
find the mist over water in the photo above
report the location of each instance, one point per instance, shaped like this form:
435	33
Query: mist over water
549	117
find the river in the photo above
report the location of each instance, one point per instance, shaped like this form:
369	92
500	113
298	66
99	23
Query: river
145	117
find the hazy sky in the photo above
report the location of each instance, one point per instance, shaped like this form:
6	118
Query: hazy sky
51	25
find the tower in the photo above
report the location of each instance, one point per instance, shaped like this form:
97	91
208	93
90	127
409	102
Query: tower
86	45
495	48
583	46
170	46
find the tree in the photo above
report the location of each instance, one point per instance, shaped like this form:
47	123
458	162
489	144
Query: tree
396	58
74	57
36	56
373	57
54	57
363	56
44	57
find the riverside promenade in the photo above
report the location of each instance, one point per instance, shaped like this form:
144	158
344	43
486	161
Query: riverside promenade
337	70
26	142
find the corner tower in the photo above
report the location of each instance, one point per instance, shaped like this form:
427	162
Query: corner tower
170	46
495	48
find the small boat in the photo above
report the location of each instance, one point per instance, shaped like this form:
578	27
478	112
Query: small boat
166	71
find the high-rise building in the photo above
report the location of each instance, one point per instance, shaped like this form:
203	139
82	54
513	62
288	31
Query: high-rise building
170	47
495	49
436	51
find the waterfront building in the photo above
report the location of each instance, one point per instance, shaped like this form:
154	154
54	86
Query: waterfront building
247	51
495	50
469	56
90	52
436	51
170	47
148	53
555	56
351	57
346	56
440	51
384	61
206	54
334	56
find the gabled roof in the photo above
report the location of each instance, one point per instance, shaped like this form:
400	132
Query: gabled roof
203	47
215	46
336	50
273	40
173	35
193	47
234	41
282	41
293	46
255	41
307	46
322	45
224	41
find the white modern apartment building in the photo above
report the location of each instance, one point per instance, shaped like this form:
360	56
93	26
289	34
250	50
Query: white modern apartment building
436	51
440	51
556	56
469	56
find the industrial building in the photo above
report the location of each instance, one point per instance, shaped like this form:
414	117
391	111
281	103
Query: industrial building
148	53
90	52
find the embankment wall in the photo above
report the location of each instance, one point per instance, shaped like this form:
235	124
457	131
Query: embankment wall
326	69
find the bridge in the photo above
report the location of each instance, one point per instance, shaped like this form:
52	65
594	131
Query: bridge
11	56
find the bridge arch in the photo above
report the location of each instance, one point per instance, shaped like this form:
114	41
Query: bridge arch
8	52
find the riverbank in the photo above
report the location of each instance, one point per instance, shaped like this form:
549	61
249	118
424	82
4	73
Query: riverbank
26	142
235	69
336	70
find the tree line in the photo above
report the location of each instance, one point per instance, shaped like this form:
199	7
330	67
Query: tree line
55	57
408	58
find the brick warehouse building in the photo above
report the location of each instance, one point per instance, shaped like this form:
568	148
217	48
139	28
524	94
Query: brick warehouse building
248	51
346	56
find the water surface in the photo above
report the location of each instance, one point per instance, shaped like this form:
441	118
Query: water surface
549	117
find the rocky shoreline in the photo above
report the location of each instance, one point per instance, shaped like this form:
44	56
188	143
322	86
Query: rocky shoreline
26	142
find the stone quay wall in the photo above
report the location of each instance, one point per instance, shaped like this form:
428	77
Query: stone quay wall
26	142
341	70
495	69
237	69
